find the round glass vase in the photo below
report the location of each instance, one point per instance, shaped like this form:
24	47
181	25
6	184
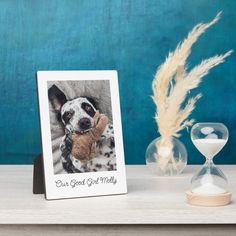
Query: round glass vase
166	157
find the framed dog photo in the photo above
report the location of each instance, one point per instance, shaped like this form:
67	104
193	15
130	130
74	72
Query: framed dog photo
81	133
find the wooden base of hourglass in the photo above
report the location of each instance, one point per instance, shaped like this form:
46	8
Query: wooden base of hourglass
208	200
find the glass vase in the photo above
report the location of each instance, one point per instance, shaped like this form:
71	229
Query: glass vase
166	157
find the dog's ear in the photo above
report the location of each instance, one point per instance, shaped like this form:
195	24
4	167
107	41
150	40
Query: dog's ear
93	102
56	97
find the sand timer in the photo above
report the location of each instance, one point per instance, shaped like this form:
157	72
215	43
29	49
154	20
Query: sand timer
209	186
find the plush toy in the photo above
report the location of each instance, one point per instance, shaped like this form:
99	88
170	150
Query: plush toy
84	145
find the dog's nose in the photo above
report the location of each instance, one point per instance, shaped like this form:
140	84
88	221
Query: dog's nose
84	123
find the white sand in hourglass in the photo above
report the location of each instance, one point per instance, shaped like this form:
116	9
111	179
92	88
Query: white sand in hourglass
208	187
209	147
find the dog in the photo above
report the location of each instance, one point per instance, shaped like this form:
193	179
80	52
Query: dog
76	115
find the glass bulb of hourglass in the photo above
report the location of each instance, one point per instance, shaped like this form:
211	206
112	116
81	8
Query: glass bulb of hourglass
209	139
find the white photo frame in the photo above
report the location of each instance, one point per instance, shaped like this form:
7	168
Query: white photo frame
80	180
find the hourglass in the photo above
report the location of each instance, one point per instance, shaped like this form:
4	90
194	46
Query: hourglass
209	186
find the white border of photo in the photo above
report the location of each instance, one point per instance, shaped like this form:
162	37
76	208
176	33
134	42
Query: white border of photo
89	183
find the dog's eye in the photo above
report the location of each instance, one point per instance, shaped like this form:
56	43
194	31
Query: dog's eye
68	114
88	108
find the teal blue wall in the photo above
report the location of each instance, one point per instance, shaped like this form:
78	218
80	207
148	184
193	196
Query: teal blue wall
132	36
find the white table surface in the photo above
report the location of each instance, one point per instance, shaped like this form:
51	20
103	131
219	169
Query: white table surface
150	200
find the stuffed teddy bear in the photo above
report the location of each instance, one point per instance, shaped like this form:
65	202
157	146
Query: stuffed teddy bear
84	145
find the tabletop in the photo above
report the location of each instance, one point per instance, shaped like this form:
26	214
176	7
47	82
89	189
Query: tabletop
150	200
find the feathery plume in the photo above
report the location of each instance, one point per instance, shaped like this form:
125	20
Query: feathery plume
168	97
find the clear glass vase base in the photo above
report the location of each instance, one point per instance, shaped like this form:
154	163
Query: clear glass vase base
166	158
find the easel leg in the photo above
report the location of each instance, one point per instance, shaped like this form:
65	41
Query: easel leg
38	178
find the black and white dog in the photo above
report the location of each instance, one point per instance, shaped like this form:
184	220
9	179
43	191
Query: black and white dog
77	116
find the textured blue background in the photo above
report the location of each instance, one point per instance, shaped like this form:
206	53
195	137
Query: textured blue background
131	36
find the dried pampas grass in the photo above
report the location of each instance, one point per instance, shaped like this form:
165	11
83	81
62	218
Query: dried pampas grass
172	84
